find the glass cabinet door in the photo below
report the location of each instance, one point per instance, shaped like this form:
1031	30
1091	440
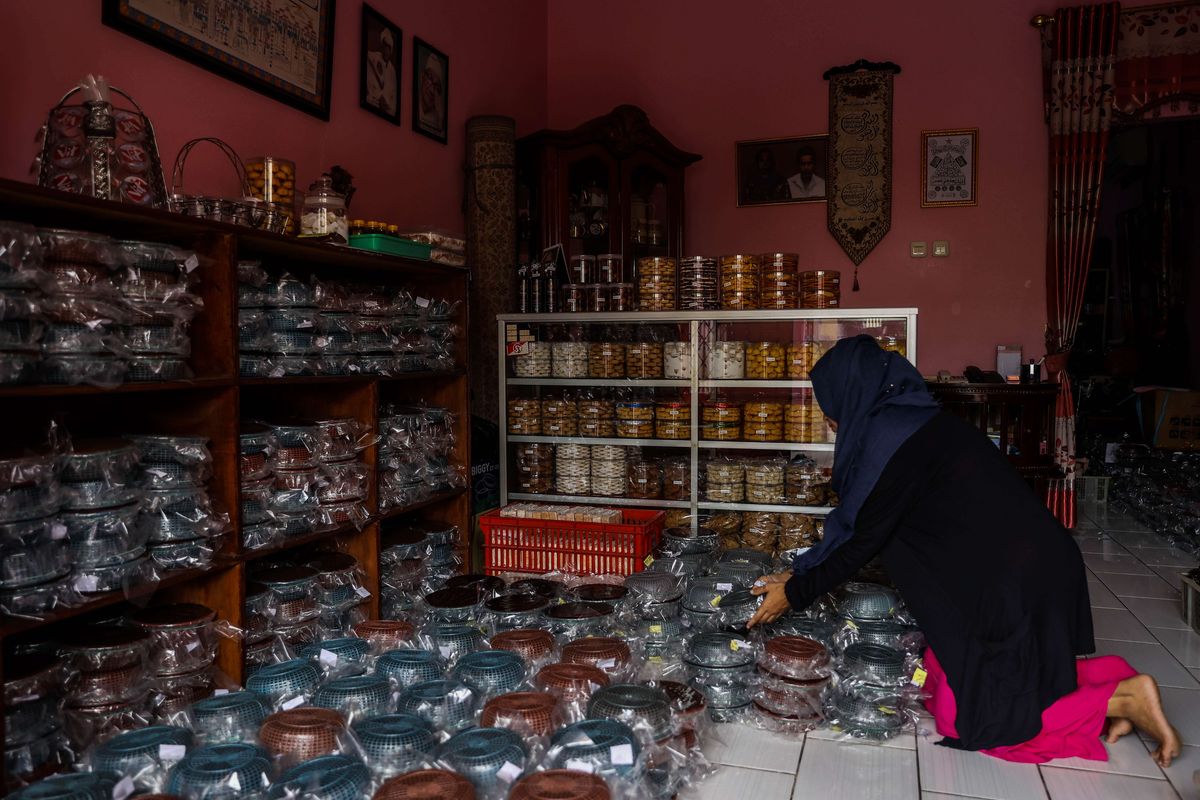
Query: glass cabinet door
590	193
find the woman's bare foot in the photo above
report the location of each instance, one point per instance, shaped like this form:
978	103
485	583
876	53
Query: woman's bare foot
1118	727
1137	700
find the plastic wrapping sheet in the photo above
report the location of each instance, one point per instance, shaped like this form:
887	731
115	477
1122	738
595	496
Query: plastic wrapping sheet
296	735
407	666
180	514
143	757
28	486
221	770
86	323
99	536
393	744
186	554
355	696
71	784
614	657
32	552
286	683
21	256
1159	489
183	636
47	753
334	775
532	714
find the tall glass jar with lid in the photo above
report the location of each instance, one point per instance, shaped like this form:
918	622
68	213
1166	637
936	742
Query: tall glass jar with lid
324	211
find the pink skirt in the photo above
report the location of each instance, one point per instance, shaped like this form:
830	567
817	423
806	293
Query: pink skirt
1071	727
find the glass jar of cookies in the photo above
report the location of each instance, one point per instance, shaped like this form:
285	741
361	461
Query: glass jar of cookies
739	282
644	480
606	360
635	429
801	357
560	426
727	361
656	283
594	408
524	416
570	359
677	360
803	419
721	431
597	428
672	429
756	411
673	410
634	409
644	360
677	479
765	361
721	411
535	363
698	285
558	407
760	431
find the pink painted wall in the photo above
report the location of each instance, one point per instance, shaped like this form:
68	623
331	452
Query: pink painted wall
713	73
497	66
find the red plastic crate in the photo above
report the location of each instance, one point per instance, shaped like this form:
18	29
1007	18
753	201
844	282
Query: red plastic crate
511	544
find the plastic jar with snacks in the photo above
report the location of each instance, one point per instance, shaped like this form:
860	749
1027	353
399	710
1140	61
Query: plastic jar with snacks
677	360
765	360
598	297
760	431
272	180
534	457
698	285
581	269
324	211
739	282
536	482
656	283
821	299
803	432
801	357
535	363
725	492
574	298
725	471
821	280
644	360
677	479
524	416
622	297
721	431
609	268
634	409
560	426
580	486
673	410
721	411
780	283
672	429
610	452
756	411
559	407
765	472
761	536
570	359
599	428
594	408
727	361
574	452
644	480
608	487
606	360
635	429
767	494
603	468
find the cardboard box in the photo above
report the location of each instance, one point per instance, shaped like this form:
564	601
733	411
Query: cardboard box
1172	418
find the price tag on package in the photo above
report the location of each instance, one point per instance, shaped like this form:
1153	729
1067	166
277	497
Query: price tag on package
621	755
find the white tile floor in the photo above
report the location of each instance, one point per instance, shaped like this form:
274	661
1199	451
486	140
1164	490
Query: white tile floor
1135	608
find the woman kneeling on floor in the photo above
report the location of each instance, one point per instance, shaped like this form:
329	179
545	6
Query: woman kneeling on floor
996	583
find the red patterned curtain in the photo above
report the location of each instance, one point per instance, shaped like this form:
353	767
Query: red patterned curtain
1158	61
1079	103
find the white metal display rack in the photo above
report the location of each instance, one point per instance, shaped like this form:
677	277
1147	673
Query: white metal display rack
700	325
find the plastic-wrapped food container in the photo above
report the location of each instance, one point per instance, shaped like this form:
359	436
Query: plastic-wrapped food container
635	429
721	411
677	360
634	410
524	416
656	283
609	268
698	285
721	431
765	360
727	361
606	360
644	480
536	363
570	359
740	282
272	179
622	297
644	360
677	479
581	269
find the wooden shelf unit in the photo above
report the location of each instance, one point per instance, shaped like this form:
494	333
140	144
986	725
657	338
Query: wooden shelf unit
214	402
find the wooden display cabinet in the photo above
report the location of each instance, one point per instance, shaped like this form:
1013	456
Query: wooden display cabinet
612	185
215	401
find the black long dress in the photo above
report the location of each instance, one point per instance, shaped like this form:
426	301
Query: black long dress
996	583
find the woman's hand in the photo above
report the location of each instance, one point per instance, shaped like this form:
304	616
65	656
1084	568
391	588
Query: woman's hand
774	602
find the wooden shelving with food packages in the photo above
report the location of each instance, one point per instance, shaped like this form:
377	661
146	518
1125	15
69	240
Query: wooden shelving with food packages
214	401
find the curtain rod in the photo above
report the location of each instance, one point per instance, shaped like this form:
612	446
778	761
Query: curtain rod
1041	20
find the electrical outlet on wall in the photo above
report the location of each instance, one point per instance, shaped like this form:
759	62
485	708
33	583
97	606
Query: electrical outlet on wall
941	248
916	249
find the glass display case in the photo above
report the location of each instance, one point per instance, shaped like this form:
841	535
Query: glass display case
695	411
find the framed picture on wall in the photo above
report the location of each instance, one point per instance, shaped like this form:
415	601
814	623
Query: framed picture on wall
949	169
283	50
379	72
431	90
772	171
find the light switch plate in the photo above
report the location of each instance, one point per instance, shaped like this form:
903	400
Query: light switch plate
941	248
916	249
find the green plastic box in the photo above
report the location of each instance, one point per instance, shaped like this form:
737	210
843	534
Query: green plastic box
392	245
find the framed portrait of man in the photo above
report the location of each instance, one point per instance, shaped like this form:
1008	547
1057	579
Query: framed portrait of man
431	91
773	171
379	73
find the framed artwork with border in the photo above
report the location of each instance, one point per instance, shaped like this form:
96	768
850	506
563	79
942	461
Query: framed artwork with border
949	167
379	65
775	171
284	49
430	91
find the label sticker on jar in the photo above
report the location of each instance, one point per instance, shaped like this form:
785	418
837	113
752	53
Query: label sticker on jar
171	752
724	587
621	754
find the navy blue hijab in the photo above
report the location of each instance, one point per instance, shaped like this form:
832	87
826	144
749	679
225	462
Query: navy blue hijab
878	400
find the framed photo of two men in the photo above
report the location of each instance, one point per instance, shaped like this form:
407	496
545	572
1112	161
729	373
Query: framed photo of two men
773	171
